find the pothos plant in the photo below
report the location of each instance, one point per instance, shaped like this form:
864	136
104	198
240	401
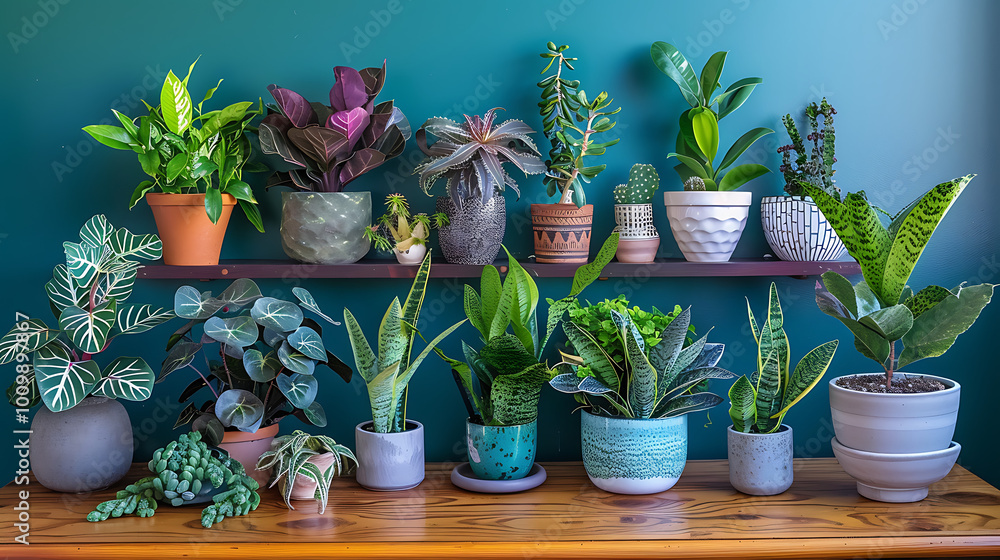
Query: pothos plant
187	151
87	296
398	229
267	352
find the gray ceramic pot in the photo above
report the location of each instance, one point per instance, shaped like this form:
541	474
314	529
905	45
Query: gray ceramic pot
325	228
85	448
475	232
393	461
760	464
633	456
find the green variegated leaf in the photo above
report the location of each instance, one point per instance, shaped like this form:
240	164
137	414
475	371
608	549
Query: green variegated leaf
505	307
239	409
413	303
925	299
364	358
89	331
593	355
587	273
295	360
308	342
181	355
491	288
474	310
96	231
276	314
62	382
380	395
125	244
300	390
34	335
189	303
83	261
116	285
686	404
743	405
808	372
571	383
642	387
890	323
240	331
768	379
307	300
241	292
134	319
175	103
16	399
260	367
392	343
126	378
689	380
663	356
937	328
63	291
515	397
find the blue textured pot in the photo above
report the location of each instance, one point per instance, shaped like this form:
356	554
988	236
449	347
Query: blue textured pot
633	456
501	452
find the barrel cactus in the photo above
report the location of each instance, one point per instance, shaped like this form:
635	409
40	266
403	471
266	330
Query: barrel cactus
642	183
694	184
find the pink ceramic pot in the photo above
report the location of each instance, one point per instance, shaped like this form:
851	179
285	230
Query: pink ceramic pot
305	487
247	447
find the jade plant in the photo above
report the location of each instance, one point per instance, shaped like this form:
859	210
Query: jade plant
266	354
389	372
571	121
289	458
470	156
186	150
698	138
813	165
882	309
328	146
87	296
758	404
398	229
643	180
184	471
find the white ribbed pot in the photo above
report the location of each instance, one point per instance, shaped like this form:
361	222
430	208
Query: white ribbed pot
796	230
896	477
707	225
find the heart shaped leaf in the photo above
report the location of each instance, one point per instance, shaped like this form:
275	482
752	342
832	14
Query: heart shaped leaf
240	331
277	315
126	378
239	409
300	390
308	342
62	382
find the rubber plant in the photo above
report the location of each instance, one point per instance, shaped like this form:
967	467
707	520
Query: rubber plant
882	309
87	296
267	354
289	457
758	403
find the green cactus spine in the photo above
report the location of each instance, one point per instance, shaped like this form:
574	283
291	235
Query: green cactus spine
642	183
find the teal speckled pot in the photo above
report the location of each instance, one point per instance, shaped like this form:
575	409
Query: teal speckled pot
501	452
633	456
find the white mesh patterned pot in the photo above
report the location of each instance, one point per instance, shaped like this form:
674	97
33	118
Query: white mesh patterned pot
707	225
796	230
639	238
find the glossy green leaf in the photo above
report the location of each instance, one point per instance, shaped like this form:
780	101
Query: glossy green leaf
276	314
706	132
239	331
295	360
742	144
89	331
671	62
190	304
111	136
741	174
126	378
62	382
738	93
841	288
925	299
743	404
181	355
63	291
936	329
175	104
261	368
308	342
300	390
807	374
890	323
712	73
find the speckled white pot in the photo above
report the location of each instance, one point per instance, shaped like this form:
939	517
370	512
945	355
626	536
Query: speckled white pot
760	464
393	461
633	456
707	225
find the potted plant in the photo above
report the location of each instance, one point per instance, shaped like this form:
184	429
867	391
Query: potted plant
470	156
266	354
390	448
305	466
794	227
635	441
634	215
402	233
196	161
708	217
892	422
759	444
571	122
81	439
327	147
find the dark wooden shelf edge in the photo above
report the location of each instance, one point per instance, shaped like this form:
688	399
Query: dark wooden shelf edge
664	268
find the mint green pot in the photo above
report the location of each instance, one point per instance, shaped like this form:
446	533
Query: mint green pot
501	452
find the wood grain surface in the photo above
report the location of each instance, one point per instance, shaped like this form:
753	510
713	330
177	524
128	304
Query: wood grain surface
820	516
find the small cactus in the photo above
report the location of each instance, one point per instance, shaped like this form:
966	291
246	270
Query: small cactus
642	183
694	184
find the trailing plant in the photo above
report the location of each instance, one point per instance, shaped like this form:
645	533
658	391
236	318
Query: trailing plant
398	229
87	296
388	373
470	156
188	151
655	381
698	138
328	146
882	309
570	120
267	354
758	404
289	458
815	164
643	180
182	471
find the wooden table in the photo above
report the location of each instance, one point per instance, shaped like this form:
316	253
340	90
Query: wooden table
821	516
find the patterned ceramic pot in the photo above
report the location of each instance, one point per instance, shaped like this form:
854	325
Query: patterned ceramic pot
760	464
392	461
561	232
796	230
325	228
501	452
474	233
632	456
707	225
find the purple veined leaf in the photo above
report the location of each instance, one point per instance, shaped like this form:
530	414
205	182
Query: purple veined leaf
374	79
391	143
272	132
363	161
351	124
349	90
321	145
293	105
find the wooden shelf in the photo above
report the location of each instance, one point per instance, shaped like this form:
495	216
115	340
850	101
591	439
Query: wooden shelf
820	516
664	268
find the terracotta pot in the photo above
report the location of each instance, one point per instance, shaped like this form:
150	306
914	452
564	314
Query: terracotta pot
247	447
305	487
189	237
561	232
637	250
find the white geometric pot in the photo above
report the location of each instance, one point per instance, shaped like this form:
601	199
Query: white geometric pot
635	221
707	225
796	230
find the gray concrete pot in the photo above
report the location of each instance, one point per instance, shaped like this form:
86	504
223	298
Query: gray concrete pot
392	461
325	227
760	464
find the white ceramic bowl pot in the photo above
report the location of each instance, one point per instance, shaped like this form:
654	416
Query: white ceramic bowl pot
760	464
796	230
391	461
896	477
707	225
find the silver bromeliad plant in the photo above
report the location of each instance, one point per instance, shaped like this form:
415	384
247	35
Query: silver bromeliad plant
289	457
87	296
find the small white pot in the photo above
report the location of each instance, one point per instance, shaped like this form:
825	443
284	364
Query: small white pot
413	255
896	477
796	230
707	225
391	461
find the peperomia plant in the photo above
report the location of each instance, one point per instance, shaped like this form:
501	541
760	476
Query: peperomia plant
267	356
87	296
758	404
881	309
813	165
698	138
329	146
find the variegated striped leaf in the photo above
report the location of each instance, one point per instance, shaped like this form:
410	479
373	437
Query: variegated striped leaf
307	300
63	291
189	303
743	404
33	336
380	395
126	244
642	380
83	261
15	398
239	331
391	340
300	390
295	360
364	359
308	342
808	372
134	319
515	397
126	378
89	331
276	314
688	403
96	231
116	285
62	382
241	292
260	367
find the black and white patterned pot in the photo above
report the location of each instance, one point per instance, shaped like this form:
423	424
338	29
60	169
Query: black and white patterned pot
475	232
796	230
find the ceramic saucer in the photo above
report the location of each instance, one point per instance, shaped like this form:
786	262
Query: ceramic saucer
463	477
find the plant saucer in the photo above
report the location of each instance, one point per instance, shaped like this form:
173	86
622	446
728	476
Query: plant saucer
463	477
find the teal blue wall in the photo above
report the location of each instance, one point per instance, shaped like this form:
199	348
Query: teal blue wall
914	82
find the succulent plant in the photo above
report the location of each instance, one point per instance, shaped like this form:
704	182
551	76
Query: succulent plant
814	165
694	184
289	459
332	145
400	230
471	156
643	180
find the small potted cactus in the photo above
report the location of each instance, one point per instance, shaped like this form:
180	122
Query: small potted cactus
634	215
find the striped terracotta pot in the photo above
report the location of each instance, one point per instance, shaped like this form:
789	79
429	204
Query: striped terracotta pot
796	230
561	232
